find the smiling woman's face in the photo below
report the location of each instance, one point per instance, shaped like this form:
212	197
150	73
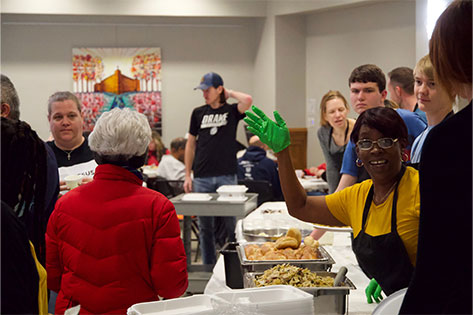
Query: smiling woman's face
381	164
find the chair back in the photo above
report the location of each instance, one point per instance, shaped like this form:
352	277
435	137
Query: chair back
263	188
169	188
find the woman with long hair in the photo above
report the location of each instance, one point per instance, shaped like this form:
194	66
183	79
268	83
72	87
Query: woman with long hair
156	149
334	134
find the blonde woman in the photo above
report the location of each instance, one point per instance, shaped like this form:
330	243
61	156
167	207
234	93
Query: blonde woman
334	134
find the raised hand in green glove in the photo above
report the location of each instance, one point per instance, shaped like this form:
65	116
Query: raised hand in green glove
373	290
274	134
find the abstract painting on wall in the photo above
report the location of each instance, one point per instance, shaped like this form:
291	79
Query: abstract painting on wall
105	78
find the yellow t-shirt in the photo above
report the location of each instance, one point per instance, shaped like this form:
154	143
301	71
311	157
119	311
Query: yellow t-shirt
347	206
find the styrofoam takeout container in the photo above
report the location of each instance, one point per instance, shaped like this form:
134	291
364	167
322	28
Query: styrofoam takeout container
232	191
273	300
196	197
199	304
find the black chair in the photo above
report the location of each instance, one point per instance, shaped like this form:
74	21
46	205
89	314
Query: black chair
172	188
263	188
169	188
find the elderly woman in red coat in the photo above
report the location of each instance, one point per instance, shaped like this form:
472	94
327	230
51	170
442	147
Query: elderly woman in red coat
112	243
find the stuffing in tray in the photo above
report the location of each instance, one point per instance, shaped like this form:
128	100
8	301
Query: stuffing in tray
287	274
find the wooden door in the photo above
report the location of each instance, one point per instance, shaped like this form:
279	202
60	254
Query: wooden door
298	147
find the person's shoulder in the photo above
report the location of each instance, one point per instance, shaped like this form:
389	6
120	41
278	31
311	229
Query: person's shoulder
412	172
200	108
410	180
350	147
461	120
323	130
234	108
50	144
407	115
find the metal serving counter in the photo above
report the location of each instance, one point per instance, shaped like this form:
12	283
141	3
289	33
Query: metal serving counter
200	274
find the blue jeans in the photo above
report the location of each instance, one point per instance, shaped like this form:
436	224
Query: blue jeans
207	224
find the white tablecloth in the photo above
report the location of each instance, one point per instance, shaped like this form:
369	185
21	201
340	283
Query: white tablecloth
338	244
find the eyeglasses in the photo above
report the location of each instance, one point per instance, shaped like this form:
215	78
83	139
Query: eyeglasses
383	143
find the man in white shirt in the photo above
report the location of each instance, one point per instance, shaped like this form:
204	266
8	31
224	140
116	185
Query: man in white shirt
172	165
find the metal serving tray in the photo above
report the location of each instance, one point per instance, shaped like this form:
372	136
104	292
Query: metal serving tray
270	234
327	300
214	207
324	263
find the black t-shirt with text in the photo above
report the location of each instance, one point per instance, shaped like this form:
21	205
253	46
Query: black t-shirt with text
215	132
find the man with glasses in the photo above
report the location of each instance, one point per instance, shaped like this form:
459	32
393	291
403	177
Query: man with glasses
368	90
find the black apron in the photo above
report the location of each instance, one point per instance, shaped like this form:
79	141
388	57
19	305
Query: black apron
384	257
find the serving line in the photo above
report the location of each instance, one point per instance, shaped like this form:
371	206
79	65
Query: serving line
336	243
343	255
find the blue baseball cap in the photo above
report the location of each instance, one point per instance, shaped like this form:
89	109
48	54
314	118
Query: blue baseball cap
208	80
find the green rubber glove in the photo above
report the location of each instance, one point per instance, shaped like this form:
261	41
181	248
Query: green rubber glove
373	290
274	134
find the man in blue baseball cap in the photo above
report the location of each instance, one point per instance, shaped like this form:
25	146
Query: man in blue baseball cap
211	152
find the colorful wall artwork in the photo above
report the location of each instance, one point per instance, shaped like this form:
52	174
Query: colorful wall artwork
105	78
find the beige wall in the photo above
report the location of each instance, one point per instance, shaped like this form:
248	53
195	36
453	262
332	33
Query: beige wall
340	40
286	61
37	58
291	69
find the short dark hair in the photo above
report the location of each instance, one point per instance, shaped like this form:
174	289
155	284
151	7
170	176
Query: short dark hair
451	56
403	77
368	73
10	97
386	120
62	96
178	143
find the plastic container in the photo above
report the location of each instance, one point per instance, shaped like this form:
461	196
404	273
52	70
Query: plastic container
197	304
273	300
196	197
391	304
233	272
232	191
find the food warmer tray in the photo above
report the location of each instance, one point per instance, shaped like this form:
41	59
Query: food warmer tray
269	234
327	300
324	263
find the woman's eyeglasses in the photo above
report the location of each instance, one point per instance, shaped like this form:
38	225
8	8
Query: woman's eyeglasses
383	143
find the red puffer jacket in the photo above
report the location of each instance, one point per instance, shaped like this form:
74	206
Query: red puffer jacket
112	243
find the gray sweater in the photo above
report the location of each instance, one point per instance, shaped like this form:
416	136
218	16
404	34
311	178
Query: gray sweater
333	156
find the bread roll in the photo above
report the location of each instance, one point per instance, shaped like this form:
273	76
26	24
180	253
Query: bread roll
309	241
295	233
286	241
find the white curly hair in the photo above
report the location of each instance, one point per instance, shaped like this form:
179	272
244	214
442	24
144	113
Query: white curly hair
120	132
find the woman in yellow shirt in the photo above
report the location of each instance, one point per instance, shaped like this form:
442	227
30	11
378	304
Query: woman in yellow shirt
383	211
